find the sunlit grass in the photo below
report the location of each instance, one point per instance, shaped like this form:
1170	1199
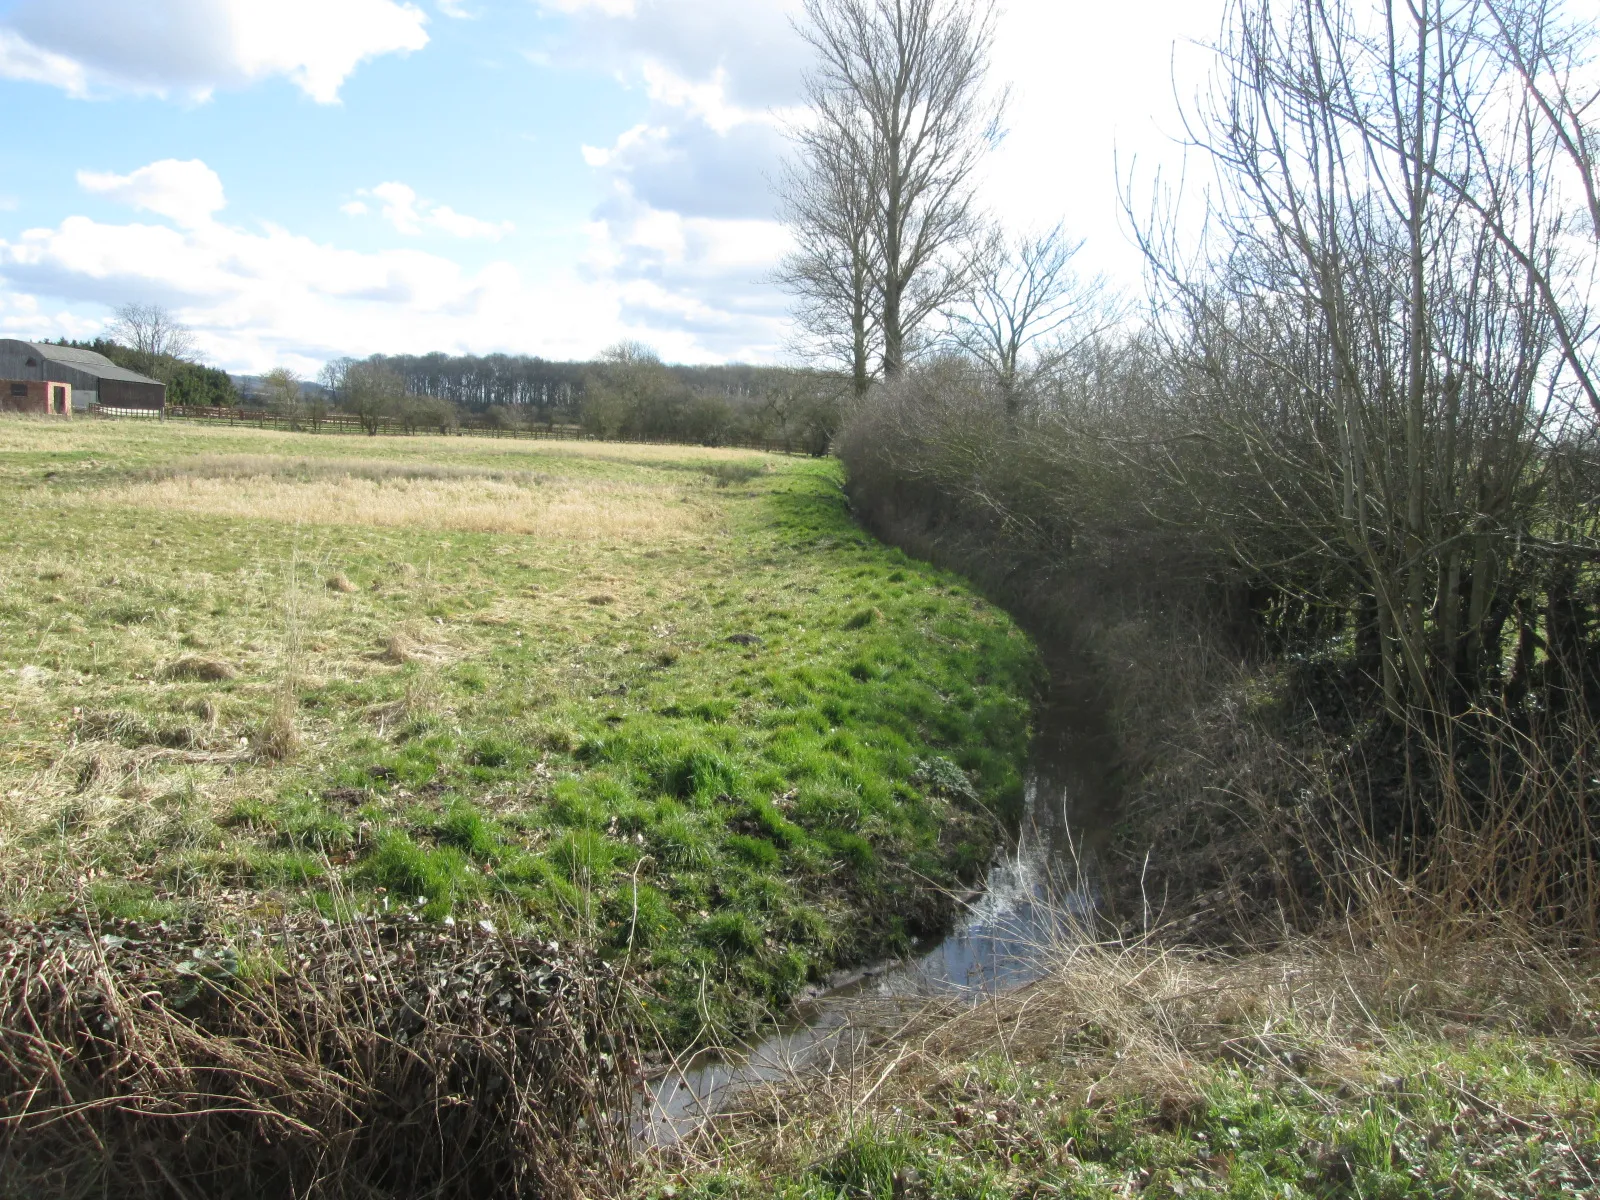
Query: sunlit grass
628	696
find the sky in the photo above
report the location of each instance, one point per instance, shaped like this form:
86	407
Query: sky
298	180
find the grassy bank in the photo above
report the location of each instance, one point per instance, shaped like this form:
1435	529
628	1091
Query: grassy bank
669	700
1415	1071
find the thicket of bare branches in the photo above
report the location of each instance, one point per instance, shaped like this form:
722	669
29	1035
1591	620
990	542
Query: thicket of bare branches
1352	448
1387	339
373	1058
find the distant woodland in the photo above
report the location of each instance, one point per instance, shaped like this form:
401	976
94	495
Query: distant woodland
627	393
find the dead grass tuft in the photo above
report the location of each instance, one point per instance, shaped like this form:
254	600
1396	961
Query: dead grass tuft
277	739
1110	1022
406	645
206	670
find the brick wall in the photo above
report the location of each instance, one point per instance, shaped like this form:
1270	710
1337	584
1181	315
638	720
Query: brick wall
35	396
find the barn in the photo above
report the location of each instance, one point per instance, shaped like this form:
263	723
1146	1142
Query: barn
90	378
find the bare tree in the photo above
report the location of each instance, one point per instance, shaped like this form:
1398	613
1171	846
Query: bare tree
627	384
332	376
1557	126
284	395
1026	300
154	336
899	93
371	391
829	203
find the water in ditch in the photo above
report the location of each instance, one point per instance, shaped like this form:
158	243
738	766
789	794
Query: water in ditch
1036	892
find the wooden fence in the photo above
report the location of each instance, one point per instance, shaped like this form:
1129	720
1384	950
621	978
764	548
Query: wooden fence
338	422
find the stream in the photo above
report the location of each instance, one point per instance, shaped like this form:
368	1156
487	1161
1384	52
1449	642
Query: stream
1036	891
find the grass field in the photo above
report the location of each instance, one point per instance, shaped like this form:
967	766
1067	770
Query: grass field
669	699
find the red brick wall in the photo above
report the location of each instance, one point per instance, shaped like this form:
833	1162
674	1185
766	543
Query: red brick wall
33	396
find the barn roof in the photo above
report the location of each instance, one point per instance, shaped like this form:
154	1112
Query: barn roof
86	361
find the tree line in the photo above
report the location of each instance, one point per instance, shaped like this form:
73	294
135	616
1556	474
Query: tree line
628	393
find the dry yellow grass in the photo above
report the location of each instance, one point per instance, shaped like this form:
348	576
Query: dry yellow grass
38	434
567	511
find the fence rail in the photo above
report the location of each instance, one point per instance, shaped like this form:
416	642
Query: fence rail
345	423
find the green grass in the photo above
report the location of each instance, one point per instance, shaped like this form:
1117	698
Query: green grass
554	732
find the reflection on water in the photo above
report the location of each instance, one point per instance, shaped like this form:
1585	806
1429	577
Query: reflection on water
1034	896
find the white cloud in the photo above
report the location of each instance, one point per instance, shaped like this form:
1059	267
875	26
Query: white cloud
456	10
696	279
21	315
688	236
354	209
723	75
190	48
402	209
269	297
608	8
21	59
459	225
260	299
399	207
746	50
188	192
706	99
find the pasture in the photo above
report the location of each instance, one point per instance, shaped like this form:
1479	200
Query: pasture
670	701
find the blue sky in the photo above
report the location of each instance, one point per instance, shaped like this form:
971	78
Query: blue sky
299	179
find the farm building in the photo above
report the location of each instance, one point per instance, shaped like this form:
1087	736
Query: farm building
32	396
91	379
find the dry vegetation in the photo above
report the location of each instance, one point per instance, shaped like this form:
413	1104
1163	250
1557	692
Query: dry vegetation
592	512
1390	1066
176	1060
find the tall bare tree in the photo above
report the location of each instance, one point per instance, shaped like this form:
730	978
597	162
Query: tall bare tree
156	338
902	109
1551	52
1025	300
371	391
829	202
